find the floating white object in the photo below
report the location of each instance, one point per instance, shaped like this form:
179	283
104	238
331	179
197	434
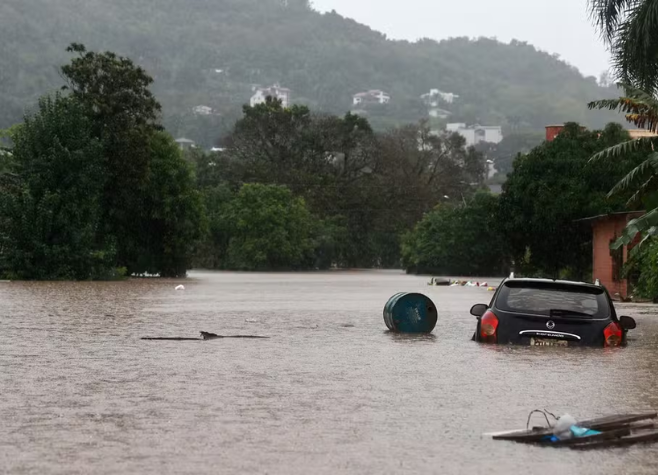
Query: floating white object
562	428
180	287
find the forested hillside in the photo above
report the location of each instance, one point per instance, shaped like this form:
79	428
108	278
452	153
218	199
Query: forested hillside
211	52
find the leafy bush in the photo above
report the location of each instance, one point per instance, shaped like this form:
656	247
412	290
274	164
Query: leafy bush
271	230
457	240
51	211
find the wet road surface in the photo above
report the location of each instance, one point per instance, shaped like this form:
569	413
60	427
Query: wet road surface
330	392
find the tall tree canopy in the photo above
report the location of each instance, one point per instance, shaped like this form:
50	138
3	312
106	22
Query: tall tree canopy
52	211
123	112
272	230
551	188
92	188
458	239
367	189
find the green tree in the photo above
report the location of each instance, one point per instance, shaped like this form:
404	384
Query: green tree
553	186
171	216
51	210
272	230
458	240
330	161
643	264
421	168
213	250
504	153
123	112
367	188
280	145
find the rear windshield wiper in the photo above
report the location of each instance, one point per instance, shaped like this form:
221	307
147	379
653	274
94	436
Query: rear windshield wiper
556	312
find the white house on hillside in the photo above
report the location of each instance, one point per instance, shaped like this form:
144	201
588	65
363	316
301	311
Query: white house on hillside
434	99
275	91
374	96
477	133
185	144
202	110
435	96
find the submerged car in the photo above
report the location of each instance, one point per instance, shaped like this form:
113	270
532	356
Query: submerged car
543	312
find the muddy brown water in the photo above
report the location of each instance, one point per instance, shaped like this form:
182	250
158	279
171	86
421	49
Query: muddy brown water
331	392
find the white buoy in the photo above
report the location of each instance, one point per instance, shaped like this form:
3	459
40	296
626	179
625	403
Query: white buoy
180	287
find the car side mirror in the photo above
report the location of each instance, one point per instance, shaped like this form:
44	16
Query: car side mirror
479	310
627	323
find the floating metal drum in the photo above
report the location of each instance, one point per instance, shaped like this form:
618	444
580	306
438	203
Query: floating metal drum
410	313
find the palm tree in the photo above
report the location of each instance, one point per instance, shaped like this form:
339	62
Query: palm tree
630	29
641	109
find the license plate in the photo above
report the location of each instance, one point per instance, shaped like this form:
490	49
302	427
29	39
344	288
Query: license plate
548	342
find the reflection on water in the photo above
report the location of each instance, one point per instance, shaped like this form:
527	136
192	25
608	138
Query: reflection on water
330	392
411	338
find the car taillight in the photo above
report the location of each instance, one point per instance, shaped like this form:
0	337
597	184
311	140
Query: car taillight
488	326
612	334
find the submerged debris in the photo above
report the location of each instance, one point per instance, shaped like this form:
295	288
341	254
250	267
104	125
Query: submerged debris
610	431
204	336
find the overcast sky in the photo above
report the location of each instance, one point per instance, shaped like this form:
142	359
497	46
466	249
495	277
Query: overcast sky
558	26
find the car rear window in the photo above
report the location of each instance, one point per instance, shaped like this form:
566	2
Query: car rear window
539	298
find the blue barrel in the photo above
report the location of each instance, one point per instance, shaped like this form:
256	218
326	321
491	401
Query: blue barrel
410	313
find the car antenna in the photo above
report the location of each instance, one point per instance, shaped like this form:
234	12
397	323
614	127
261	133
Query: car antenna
511	275
597	282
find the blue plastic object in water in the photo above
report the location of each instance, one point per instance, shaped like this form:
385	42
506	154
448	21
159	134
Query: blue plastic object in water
577	432
583	431
410	313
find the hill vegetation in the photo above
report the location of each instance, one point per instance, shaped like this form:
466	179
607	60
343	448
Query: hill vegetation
211	52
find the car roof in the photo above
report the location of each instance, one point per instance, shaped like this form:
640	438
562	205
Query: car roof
552	281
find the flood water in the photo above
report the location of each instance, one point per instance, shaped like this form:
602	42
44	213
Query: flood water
330	392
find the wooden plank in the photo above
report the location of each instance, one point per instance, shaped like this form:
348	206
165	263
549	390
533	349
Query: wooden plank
173	339
613	423
642	437
523	435
204	337
600	424
608	435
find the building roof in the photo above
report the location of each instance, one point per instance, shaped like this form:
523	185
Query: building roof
609	215
461	125
370	93
271	88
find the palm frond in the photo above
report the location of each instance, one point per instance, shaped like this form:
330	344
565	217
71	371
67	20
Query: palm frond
639	107
641	173
608	14
648	186
651	233
640	95
634	45
625	148
636	226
